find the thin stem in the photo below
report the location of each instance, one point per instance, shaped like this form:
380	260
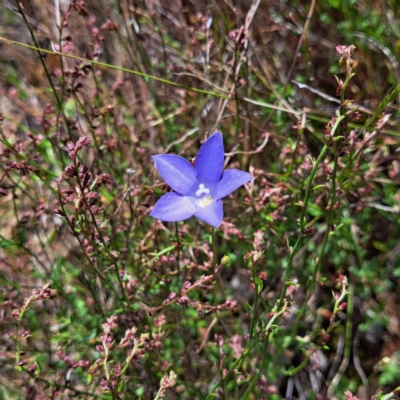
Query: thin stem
332	197
268	331
251	344
255	305
300	132
349	329
336	309
18	351
214	264
297	245
178	246
302	223
391	395
330	222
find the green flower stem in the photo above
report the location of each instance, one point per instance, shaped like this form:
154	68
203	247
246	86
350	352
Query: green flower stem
349	75
257	376
348	341
300	133
105	366
252	343
234	365
297	245
389	396
330	218
114	395
349	321
295	370
137	346
18	351
302	222
330	223
253	320
336	309
178	245
214	264
160	393
267	331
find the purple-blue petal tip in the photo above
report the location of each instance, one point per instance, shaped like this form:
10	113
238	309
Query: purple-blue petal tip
210	160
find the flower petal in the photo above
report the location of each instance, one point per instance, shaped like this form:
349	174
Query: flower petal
230	181
177	172
211	214
210	160
173	207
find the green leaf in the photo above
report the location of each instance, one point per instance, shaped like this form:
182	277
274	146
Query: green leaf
57	270
259	284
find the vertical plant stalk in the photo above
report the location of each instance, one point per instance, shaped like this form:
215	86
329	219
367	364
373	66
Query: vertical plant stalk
306	200
17	338
251	344
297	245
214	264
178	245
332	197
336	309
330	223
267	332
300	131
340	121
348	342
253	320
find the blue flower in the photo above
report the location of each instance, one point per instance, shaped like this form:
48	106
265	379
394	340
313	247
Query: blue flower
198	190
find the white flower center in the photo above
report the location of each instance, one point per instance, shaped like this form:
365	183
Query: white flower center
205	201
204	194
202	190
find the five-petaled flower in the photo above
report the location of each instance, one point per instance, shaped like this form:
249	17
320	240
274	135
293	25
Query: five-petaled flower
198	189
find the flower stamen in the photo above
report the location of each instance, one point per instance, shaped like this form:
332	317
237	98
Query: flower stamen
205	201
